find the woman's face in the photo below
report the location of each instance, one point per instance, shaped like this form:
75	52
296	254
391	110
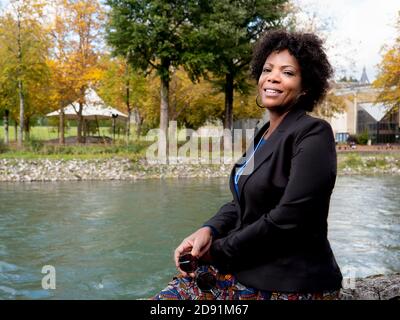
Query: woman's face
279	85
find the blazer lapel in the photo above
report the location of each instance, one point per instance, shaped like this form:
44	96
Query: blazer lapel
264	151
237	165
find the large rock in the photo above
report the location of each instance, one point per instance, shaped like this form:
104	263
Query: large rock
377	287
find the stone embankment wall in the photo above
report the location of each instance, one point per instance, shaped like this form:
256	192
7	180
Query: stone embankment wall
21	170
377	287
124	169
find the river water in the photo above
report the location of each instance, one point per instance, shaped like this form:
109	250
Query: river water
114	239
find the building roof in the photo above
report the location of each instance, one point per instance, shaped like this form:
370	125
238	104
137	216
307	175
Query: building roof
377	111
364	78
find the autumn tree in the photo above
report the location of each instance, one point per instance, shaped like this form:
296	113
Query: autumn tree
330	106
125	89
193	104
388	79
63	89
23	69
78	43
8	99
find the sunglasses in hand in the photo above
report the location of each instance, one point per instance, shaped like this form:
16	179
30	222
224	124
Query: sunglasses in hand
205	281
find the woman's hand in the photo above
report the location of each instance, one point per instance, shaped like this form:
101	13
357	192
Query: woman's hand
198	243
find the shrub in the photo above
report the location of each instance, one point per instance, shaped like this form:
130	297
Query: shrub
34	145
3	147
363	138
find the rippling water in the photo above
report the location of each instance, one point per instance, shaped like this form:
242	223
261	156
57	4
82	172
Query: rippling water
114	240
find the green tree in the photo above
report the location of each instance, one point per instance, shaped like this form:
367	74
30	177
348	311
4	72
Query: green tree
155	35
228	32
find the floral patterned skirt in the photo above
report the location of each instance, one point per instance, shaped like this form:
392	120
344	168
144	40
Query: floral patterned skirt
227	287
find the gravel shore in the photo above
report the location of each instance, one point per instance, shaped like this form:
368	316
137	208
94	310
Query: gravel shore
125	169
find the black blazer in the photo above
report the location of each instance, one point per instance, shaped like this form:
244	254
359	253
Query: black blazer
274	235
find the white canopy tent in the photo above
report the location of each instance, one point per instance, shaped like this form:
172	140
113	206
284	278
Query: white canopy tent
94	108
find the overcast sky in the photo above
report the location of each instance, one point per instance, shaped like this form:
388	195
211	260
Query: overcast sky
357	31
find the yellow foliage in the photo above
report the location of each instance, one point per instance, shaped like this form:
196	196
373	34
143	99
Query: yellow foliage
24	47
74	62
192	104
329	106
388	79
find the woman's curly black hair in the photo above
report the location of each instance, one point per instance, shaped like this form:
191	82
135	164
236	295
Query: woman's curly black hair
308	50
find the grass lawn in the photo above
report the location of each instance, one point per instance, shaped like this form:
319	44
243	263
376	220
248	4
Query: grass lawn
37	147
48	133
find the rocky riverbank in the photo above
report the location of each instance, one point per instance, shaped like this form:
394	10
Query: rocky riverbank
125	169
369	164
102	169
377	287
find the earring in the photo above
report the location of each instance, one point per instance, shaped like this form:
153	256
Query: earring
258	104
303	93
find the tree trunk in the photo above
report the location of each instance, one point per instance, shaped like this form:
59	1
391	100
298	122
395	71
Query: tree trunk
113	128
163	139
6	135
21	113
164	105
61	130
16	131
20	92
84	128
128	108
139	127
138	121
27	130
128	126
228	119
80	123
80	136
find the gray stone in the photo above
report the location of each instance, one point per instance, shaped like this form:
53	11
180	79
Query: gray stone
124	169
376	287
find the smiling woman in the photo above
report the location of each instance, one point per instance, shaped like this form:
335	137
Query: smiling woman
280	81
302	65
270	241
